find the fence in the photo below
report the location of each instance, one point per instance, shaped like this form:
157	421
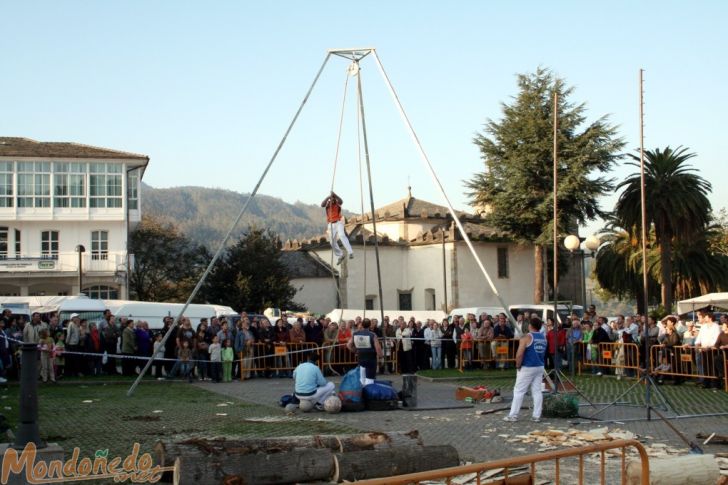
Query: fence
273	359
609	355
532	461
486	353
688	362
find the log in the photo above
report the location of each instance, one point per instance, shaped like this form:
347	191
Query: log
714	438
167	451
677	470
363	465
309	465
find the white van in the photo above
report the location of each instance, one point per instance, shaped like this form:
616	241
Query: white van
477	311
154	313
547	311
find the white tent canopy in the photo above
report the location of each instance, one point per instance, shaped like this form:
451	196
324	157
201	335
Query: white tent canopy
711	299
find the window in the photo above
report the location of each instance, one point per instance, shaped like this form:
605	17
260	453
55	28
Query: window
100	292
405	300
430	301
100	245
105	185
132	189
502	262
49	244
34	184
3	243
6	184
69	180
369	302
17	243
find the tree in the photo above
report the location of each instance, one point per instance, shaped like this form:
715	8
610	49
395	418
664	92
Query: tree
677	205
166	263
695	268
516	187
250	275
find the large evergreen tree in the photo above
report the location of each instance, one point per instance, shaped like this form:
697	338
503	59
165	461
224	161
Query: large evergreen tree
250	275
166	263
677	206
516	187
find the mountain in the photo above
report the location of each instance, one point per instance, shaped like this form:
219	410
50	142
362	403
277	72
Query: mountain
205	214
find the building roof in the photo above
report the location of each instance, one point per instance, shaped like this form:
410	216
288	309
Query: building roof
25	147
301	264
408	209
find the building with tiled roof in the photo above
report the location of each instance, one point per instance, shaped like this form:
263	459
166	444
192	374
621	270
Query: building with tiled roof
424	261
66	210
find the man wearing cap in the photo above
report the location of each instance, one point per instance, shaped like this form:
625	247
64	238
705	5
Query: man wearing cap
73	340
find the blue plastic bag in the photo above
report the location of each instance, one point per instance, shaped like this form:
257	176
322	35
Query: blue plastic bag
350	387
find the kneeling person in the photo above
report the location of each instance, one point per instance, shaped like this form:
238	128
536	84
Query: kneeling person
310	384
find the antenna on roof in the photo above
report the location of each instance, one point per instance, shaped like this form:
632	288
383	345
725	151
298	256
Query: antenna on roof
409	187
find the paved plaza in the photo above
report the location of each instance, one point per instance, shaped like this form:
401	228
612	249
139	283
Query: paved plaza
441	419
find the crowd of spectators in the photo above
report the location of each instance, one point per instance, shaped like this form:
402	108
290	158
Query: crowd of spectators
251	346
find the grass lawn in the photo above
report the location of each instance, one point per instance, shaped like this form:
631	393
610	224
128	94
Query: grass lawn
100	416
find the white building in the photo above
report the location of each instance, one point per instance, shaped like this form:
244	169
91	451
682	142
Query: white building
425	264
56	198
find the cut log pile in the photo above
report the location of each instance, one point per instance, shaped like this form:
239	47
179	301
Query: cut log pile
302	459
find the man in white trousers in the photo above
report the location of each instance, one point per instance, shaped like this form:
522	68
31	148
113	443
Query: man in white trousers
332	204
529	363
310	384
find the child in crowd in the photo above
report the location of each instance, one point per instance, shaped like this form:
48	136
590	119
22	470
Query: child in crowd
47	346
185	360
158	353
467	347
660	369
227	361
215	359
60	361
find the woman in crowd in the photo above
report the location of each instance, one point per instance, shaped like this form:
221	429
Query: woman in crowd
483	338
201	354
282	363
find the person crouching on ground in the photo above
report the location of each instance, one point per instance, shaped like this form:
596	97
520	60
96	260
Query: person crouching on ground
310	384
530	366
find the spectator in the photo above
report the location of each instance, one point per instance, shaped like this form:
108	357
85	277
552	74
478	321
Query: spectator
143	339
184	356
60	360
215	359
466	348
248	352
705	341
433	336
331	334
448	343
128	349
314	332
556	339
110	335
73	344
201	354
6	356
158	356
573	344
92	345
266	336
227	361
483	338
721	349
46	347
31	332
405	351
282	339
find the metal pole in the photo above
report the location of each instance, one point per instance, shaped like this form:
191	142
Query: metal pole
557	358
223	243
444	270
80	272
371	193
28	431
436	180
644	243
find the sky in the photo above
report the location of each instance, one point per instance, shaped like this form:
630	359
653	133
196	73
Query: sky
207	89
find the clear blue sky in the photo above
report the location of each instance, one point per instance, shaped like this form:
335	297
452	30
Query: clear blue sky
206	89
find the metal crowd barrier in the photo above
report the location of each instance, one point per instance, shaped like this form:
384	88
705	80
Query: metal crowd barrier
688	362
498	353
261	358
610	355
532	461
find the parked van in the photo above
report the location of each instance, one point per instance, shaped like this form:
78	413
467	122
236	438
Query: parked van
547	311
477	311
87	308
154	313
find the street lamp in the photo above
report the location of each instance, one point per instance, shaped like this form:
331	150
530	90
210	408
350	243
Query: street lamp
80	250
573	243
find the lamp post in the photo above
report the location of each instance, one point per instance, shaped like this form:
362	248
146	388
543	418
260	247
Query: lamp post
573	243
80	250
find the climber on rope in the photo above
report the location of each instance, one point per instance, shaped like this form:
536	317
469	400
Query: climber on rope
332	203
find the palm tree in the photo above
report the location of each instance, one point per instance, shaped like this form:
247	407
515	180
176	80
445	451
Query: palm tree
677	205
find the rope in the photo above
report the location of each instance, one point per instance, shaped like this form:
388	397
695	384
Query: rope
333	179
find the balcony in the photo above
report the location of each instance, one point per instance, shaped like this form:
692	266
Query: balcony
64	262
